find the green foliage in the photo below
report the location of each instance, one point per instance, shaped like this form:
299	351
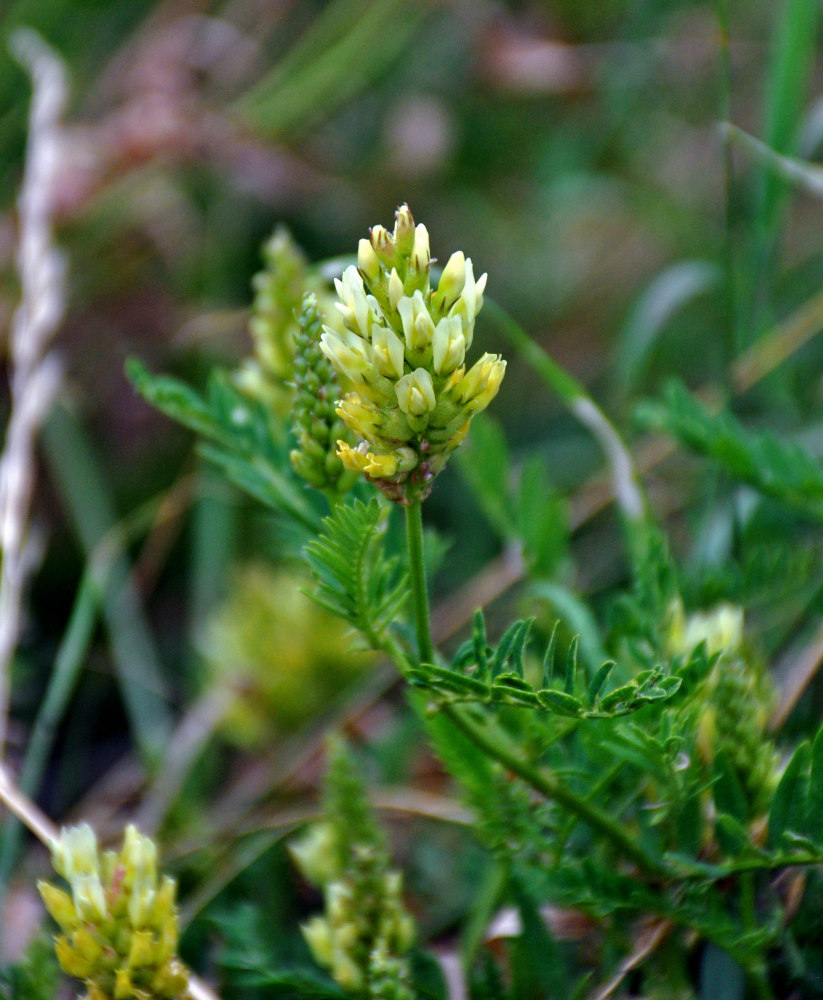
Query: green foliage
528	512
36	976
355	578
252	962
241	437
777	468
625	773
480	673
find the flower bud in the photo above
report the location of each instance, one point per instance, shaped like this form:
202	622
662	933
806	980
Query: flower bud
469	302
449	345
346	972
418	327
403	348
349	354
367	261
355	307
162	910
142	949
318	935
404	230
75	852
396	289
123	988
389	354
421	254
451	282
316	854
383	245
415	393
120	928
482	380
59	905
71	961
89	897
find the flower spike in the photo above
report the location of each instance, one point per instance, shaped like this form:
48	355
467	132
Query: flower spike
403	348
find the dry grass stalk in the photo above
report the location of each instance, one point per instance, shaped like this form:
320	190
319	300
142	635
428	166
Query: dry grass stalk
34	369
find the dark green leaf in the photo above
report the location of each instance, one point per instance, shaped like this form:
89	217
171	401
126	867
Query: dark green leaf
599	680
788	804
731	834
780	469
548	659
427	976
728	793
721	978
512	640
484	463
814	814
619	697
560	702
441	678
570	674
479	640
542	520
354	576
540	964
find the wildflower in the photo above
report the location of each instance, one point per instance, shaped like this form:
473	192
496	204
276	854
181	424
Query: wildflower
403	348
119	922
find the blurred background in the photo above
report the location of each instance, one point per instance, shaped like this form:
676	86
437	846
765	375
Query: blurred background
572	150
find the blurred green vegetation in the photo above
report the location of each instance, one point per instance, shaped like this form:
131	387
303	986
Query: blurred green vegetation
574	150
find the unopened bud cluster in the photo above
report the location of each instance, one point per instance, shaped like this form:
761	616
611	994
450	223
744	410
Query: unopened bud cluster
732	706
118	922
315	422
403	348
365	930
279	290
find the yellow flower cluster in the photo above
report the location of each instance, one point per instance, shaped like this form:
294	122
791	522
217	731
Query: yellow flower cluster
403	348
118	923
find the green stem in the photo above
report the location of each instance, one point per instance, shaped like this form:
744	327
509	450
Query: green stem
558	379
766	863
549	785
628	491
67	666
417	573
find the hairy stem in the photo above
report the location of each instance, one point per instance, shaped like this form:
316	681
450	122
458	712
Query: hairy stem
417	575
549	785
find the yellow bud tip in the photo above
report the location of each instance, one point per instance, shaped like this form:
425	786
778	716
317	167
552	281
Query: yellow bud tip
360	459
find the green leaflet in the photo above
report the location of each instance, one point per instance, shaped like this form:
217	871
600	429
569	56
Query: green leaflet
480	674
240	436
788	805
355	579
780	469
